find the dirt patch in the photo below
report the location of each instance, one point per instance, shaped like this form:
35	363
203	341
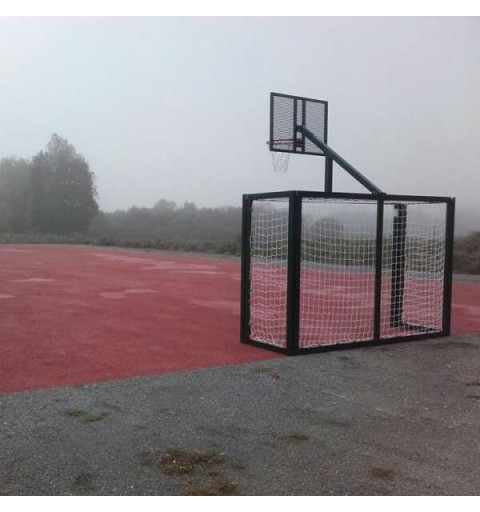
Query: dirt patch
273	373
296	437
176	461
85	416
83	483
382	473
203	471
219	487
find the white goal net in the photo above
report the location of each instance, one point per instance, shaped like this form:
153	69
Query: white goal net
337	256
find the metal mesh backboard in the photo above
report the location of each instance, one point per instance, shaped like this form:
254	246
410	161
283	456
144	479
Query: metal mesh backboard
287	113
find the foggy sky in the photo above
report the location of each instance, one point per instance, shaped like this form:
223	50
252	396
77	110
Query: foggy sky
177	108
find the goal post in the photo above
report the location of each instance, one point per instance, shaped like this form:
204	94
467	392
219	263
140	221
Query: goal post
398	264
336	270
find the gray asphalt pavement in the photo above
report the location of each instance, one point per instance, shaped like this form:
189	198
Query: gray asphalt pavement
393	420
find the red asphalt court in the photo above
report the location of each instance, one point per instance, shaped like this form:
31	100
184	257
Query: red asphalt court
72	315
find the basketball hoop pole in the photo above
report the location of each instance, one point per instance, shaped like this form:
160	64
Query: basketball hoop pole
328	174
331	155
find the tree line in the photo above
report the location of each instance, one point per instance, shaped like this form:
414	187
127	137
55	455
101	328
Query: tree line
52	197
169	226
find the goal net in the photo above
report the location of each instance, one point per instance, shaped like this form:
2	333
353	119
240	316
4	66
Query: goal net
356	283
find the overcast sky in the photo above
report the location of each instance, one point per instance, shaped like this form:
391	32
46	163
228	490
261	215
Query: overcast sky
177	108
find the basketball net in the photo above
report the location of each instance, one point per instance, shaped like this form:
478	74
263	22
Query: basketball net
280	162
280	159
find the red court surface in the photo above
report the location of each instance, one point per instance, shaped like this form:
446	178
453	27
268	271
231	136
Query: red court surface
336	304
74	315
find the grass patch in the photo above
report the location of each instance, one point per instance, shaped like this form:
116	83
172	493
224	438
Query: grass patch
176	461
91	418
219	487
85	416
76	413
202	470
296	437
271	372
382	473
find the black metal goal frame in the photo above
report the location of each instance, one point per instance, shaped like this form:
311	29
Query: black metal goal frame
293	264
295	121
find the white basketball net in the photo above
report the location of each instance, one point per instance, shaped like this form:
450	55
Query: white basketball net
279	159
280	162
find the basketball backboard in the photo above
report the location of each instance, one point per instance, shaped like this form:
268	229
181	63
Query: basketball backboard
287	114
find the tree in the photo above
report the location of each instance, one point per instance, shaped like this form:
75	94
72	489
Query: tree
164	206
325	228
15	194
63	192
